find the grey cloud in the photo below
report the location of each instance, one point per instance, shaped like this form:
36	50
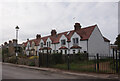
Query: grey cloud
38	17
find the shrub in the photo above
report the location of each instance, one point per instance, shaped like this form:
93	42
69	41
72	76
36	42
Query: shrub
56	58
31	63
32	60
33	57
22	55
12	59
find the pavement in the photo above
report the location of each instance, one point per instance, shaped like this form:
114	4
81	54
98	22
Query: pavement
48	73
0	71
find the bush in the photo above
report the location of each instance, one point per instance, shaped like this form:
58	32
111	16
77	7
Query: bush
12	59
81	56
22	55
31	63
33	57
56	59
32	60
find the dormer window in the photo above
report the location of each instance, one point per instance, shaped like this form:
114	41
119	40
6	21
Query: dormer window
48	44
75	41
28	46
63	42
41	44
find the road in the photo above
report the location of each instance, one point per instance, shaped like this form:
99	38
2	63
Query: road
12	72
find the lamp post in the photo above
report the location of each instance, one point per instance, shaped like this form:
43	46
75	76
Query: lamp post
17	28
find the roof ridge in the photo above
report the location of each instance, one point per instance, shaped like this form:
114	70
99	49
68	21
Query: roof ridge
44	38
90	26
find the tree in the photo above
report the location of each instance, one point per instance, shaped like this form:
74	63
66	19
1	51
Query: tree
117	42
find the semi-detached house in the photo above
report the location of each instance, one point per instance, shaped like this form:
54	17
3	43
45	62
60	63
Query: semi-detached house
81	39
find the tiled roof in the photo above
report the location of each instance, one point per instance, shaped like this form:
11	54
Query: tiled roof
63	47
45	48
106	40
84	33
33	49
75	47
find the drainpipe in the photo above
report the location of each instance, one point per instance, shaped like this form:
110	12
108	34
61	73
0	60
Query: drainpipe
87	45
109	49
55	47
68	47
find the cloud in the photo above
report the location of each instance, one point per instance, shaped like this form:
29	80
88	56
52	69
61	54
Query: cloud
41	17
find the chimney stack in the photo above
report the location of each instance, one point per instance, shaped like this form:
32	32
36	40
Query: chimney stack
2	45
27	39
5	43
38	36
77	26
14	41
10	41
53	32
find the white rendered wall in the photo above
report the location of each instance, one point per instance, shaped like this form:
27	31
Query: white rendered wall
96	44
83	44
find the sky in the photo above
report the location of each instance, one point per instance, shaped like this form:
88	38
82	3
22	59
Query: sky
40	17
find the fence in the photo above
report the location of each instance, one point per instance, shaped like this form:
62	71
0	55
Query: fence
74	62
80	62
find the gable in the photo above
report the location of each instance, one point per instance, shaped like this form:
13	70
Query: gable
63	37
96	34
48	39
28	44
41	41
75	35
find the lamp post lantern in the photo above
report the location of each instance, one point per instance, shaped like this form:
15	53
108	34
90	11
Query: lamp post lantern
17	28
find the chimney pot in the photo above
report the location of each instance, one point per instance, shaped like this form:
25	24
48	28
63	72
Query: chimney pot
38	36
5	43
53	32
10	41
27	39
77	26
14	40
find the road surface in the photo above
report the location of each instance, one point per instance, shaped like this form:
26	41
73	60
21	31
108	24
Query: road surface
12	72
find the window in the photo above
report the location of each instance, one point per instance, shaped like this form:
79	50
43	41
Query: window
63	42
78	51
43	51
53	51
73	51
48	44
41	44
56	51
65	51
75	41
61	52
85	51
50	51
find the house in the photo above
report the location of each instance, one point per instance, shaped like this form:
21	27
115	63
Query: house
10	47
80	39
